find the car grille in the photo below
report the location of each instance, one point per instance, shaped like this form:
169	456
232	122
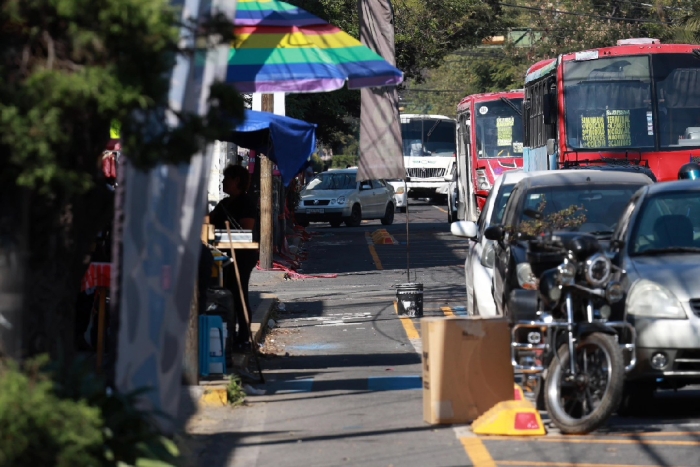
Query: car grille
425	172
317	202
695	305
688	360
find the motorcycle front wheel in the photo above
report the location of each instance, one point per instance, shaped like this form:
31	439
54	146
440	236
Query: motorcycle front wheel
580	404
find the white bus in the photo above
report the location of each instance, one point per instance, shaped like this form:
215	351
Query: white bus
429	154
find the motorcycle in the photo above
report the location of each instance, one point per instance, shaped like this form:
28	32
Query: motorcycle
577	350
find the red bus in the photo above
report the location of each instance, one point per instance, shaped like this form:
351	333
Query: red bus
637	103
490	142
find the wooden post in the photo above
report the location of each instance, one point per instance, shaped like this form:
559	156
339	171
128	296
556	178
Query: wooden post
266	224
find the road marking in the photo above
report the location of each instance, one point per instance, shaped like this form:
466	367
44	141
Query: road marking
373	252
477	452
440	209
584	440
447	311
410	328
562	464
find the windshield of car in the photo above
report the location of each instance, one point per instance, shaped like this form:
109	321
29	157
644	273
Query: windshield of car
668	223
677	78
608	103
333	181
590	208
499	129
429	137
499	204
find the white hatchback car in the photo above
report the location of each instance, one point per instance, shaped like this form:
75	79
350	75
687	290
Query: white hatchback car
336	197
478	267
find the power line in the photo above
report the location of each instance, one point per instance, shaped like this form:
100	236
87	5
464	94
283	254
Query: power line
585	15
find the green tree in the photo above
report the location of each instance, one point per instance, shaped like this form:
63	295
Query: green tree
69	67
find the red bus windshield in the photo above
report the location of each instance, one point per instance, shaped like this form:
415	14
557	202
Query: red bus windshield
635	102
499	128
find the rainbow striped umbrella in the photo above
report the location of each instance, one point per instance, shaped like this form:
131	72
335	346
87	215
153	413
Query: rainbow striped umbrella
282	48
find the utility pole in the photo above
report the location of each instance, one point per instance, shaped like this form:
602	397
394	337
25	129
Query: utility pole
266	224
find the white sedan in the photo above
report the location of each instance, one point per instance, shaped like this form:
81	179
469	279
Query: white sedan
478	267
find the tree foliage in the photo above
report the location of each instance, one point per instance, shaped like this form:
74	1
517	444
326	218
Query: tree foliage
70	67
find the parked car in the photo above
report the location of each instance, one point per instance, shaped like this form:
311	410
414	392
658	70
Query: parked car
657	246
400	194
478	266
336	197
575	200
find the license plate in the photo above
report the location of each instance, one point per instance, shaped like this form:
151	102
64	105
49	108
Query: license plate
315	211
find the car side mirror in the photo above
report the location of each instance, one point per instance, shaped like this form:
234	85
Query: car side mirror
495	233
465	229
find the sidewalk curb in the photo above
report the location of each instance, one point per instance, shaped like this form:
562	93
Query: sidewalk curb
261	315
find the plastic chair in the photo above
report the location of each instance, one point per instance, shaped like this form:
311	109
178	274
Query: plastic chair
206	323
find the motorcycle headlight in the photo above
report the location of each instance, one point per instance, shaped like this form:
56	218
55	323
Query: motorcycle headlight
487	255
650	300
566	273
598	269
482	181
526	278
340	200
614	292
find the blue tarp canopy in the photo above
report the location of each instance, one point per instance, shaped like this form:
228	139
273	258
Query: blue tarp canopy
286	141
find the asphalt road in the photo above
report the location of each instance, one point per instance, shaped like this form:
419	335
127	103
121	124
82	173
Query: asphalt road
343	371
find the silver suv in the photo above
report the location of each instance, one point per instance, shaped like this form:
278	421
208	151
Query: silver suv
336	197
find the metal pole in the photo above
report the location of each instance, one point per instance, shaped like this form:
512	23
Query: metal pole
408	243
266	224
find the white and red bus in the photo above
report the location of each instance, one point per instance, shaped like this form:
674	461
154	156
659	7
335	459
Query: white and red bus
490	142
637	103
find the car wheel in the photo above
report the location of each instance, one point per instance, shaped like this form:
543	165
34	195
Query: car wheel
335	223
355	218
388	218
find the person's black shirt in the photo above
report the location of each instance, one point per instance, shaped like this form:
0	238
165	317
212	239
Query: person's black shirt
241	207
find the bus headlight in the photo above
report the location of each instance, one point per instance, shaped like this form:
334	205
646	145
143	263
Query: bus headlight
482	181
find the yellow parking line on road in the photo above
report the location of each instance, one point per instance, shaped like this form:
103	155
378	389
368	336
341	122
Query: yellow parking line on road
591	440
373	252
561	464
409	327
447	311
440	209
477	452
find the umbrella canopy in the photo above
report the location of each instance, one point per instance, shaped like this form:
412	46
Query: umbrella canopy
288	142
282	48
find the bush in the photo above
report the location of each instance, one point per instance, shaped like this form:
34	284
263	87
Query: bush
37	428
64	415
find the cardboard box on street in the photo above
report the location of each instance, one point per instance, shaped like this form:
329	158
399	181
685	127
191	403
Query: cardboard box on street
466	367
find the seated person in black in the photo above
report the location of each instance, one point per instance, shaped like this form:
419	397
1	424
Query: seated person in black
240	210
